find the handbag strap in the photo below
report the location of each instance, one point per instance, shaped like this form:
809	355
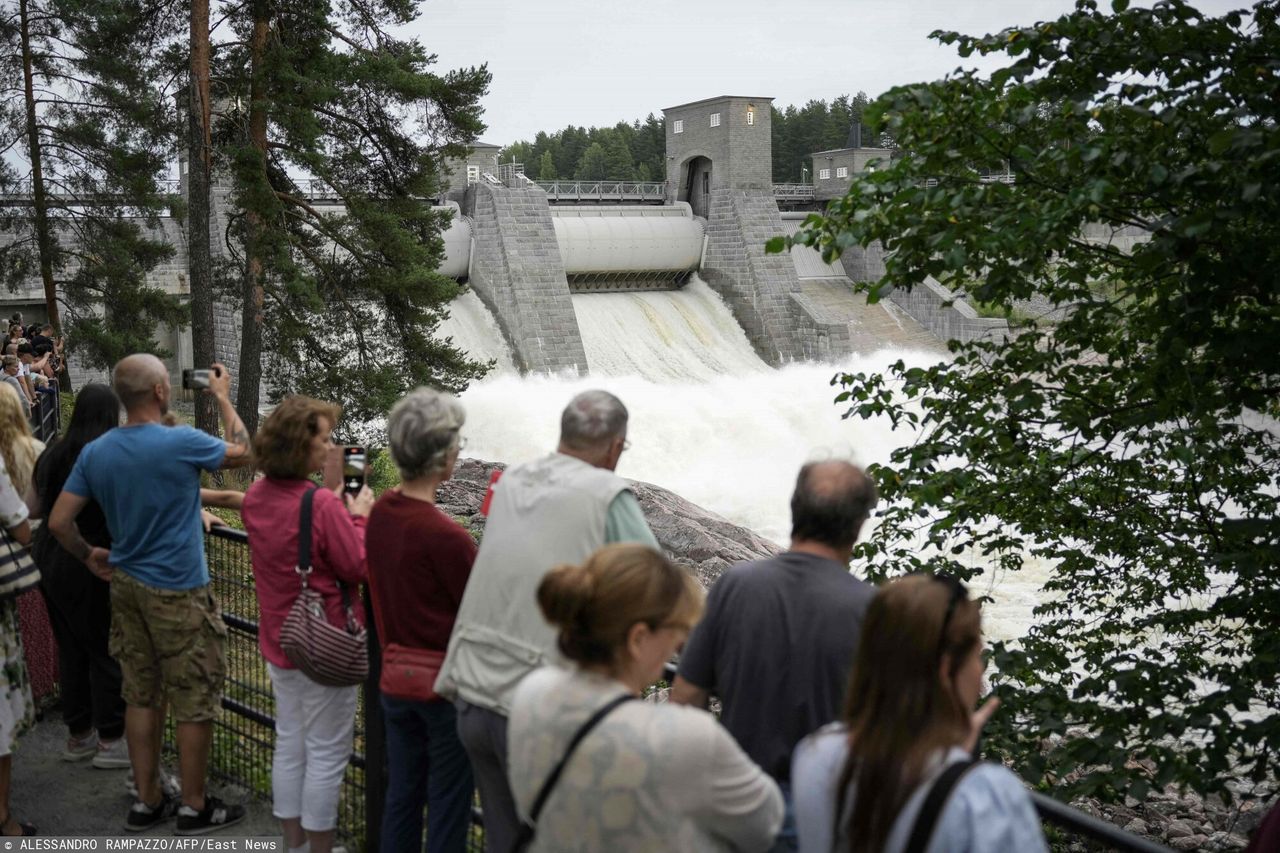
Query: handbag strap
304	551
939	792
304	534
527	827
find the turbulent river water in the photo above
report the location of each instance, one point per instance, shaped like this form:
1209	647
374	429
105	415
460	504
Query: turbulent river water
709	419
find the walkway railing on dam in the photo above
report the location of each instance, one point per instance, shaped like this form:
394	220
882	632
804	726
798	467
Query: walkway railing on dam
631	192
244	735
793	192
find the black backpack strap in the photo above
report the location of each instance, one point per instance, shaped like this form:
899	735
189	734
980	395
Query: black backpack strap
527	828
937	797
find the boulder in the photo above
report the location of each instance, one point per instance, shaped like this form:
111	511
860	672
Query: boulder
701	541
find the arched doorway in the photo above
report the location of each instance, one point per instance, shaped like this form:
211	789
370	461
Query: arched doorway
695	184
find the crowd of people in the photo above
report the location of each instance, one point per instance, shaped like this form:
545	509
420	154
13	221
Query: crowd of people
847	715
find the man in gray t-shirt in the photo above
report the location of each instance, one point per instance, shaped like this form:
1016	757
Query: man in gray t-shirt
777	639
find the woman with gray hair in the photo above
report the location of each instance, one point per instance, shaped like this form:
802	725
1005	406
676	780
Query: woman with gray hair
419	562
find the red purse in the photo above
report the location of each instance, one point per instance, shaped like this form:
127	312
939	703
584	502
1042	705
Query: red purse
409	673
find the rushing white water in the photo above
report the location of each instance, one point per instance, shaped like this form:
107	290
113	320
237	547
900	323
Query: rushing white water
476	333
709	419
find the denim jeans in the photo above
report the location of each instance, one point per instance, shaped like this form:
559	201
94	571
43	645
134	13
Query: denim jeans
786	842
426	766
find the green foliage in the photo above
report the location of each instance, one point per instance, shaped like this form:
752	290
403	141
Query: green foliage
817	126
626	152
104	122
593	166
1132	446
350	294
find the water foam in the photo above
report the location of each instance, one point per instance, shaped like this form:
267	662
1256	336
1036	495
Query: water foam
709	419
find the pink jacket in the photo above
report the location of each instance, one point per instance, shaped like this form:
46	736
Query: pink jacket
270	514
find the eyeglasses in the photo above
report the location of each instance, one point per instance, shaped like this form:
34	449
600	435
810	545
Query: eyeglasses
958	592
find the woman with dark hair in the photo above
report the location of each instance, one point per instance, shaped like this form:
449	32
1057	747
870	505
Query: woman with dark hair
79	602
314	723
646	776
908	722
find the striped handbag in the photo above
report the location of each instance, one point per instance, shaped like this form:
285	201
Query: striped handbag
325	653
18	571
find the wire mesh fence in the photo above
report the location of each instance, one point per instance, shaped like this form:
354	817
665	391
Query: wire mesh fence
244	733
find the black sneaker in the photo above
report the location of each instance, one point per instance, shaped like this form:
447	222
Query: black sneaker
143	817
216	815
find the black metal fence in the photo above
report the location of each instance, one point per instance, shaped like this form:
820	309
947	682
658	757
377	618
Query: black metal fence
46	414
244	735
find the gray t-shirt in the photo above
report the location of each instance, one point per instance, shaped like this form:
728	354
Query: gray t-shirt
776	645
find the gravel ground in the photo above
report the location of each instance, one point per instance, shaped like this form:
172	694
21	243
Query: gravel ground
63	798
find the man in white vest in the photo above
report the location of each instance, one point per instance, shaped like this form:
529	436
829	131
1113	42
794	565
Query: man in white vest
556	510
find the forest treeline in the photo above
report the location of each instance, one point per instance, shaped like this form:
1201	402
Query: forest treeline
635	151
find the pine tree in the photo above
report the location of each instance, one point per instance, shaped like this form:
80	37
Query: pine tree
592	166
91	131
547	167
618	165
343	301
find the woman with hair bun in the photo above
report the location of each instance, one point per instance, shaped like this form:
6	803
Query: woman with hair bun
646	776
908	731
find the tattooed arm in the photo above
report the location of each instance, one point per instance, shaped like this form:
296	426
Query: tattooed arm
237	437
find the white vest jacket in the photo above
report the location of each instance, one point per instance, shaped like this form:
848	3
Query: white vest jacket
543	514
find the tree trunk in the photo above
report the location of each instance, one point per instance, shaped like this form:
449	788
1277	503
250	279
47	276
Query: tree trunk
44	236
249	390
200	258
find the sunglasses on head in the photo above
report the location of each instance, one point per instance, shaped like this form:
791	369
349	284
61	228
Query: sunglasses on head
958	593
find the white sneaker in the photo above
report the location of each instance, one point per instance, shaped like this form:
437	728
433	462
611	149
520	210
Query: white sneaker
112	754
169	784
79	748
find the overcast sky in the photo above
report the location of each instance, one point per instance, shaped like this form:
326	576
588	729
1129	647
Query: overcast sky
598	62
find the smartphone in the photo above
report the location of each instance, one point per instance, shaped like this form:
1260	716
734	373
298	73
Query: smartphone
353	469
194	380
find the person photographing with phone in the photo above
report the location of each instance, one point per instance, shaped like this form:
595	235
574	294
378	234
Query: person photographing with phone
302	536
166	629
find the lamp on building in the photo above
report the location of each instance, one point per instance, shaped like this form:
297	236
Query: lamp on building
804	174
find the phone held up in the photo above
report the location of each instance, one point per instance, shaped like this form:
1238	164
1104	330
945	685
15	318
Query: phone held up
353	469
198	379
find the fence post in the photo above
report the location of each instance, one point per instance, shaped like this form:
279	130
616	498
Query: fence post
375	738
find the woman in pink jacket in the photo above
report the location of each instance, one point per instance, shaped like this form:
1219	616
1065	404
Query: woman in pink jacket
314	723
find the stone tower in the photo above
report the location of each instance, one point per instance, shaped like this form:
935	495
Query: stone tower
718	143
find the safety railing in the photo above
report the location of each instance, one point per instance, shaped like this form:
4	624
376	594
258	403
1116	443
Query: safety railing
46	414
244	734
793	192
642	192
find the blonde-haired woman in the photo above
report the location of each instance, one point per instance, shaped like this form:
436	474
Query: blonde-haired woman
20	450
19	447
646	776
909	721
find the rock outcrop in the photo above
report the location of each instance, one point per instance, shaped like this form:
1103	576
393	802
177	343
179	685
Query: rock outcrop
699	540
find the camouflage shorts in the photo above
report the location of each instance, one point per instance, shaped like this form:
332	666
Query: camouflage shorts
171	644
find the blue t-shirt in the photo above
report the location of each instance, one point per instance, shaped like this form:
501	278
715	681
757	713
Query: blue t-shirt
146	478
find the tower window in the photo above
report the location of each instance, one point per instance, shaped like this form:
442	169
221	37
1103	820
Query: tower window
842	171
715	119
751	117
824	174
679	128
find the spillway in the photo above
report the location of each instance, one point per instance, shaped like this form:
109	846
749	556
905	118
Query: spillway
652	335
709	419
